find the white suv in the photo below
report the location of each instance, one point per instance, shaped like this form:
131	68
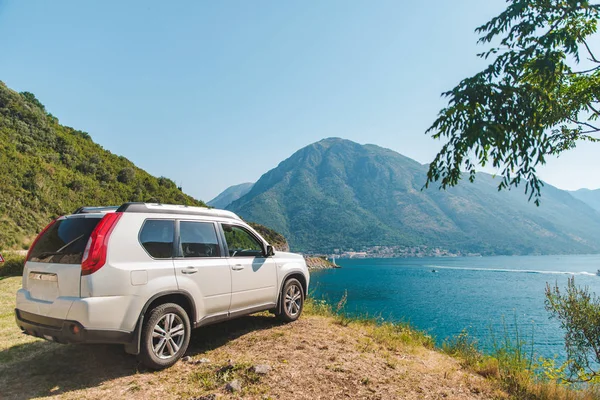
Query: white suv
144	275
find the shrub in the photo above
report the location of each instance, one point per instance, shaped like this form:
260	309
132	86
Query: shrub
150	185
126	175
76	186
23	148
103	175
166	182
137	194
578	312
464	346
67	159
95	159
30	98
87	168
13	265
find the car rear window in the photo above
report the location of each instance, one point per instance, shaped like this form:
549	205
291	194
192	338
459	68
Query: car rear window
64	242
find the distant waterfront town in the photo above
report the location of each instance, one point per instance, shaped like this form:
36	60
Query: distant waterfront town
395	252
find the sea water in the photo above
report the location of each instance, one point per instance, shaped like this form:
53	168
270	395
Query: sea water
487	296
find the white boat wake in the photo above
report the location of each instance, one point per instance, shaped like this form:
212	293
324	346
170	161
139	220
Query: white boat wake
523	271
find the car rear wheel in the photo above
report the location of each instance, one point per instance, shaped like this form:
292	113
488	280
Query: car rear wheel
165	336
292	300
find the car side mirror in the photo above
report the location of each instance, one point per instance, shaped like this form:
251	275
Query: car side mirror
270	251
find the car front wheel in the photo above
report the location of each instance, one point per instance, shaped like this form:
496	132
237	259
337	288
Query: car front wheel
165	336
292	300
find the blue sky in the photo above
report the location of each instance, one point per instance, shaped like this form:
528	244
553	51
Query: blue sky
213	94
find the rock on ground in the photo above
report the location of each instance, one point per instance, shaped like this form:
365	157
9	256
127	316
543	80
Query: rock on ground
262	369
234	386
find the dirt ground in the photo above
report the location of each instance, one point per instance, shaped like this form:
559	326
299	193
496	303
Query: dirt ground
313	358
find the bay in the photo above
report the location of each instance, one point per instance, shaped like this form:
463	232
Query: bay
487	296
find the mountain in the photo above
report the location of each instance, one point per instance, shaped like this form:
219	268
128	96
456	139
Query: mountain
337	194
230	195
47	169
590	197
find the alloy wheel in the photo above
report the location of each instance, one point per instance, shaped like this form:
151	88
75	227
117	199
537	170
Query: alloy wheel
168	336
293	300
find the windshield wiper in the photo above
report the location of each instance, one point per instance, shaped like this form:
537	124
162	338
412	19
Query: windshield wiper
49	253
70	243
59	251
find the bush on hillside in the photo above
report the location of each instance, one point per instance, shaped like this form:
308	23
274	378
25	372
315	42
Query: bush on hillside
13	265
126	175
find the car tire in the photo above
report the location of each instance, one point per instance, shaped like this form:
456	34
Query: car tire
291	301
165	336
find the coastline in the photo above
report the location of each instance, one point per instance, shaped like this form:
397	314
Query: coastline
317	263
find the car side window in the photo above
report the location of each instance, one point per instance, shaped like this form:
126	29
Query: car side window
157	237
241	243
198	239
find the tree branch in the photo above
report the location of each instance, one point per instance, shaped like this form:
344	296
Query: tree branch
587	379
594	59
584	72
594	128
591	131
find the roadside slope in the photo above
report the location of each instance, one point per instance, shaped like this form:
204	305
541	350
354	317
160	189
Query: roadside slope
315	357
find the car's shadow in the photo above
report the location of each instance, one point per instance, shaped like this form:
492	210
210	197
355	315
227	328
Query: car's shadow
40	369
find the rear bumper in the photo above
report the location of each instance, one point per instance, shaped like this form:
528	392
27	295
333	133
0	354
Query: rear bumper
65	331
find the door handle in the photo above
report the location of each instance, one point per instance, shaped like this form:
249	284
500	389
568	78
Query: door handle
237	267
189	270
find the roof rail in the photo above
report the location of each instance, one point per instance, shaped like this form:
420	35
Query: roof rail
158	208
93	210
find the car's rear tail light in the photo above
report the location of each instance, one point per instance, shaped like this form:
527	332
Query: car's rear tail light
94	256
39	236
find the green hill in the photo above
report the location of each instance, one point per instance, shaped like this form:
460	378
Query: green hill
274	238
339	194
47	169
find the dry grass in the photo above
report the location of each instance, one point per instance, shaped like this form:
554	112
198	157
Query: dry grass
13	344
317	357
512	369
321	356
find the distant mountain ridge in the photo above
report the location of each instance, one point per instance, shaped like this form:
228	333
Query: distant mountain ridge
590	197
339	194
230	195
